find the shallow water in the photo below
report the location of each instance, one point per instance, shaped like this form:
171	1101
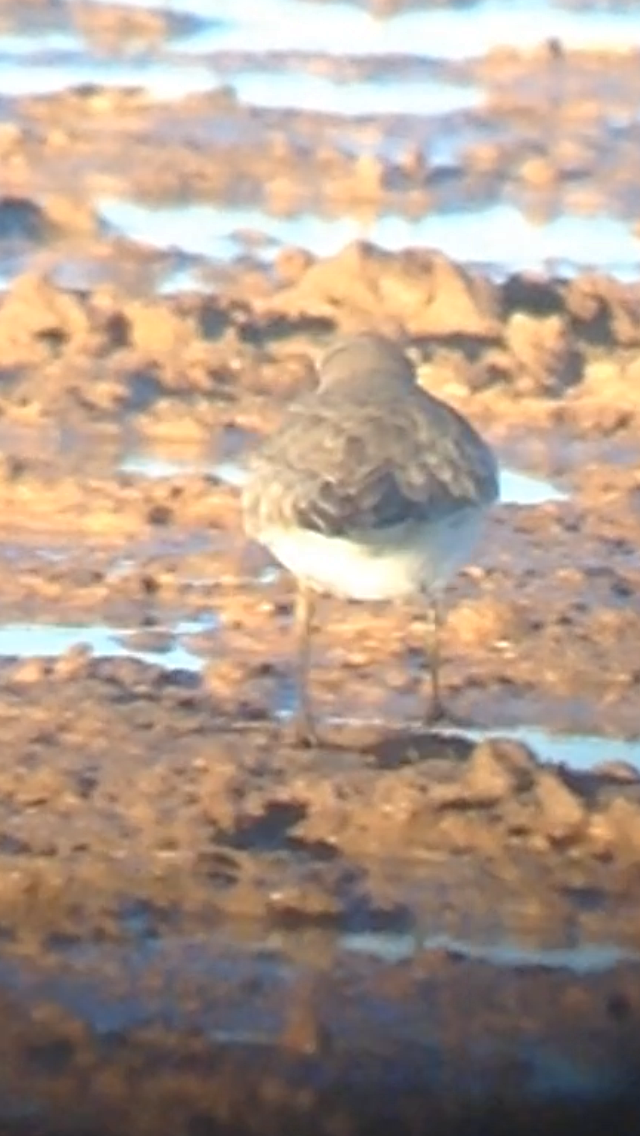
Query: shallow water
351	98
590	958
125	1000
122	1005
226	996
515	488
580	752
341	29
577	751
498	237
522	489
42	640
24	73
163	80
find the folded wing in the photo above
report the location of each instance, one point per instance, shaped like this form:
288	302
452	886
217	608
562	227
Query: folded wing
339	473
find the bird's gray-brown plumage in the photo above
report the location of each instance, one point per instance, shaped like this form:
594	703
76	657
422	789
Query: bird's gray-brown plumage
368	456
367	450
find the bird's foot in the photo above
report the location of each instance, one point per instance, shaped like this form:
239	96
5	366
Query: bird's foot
438	714
304	732
435	712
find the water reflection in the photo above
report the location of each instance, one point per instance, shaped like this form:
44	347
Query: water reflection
495	237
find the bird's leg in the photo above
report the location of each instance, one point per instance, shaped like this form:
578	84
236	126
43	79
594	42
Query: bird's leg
305	731
434	706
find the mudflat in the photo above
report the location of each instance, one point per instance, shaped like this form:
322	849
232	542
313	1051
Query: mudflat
204	927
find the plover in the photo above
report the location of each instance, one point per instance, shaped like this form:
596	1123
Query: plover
371	489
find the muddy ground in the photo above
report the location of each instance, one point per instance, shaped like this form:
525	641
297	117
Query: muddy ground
205	928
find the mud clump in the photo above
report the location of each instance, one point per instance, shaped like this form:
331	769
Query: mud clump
304	837
420	293
21	219
113	28
178	366
499	769
543	351
264	887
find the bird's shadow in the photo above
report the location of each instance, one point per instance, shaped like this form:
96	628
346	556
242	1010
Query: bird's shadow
403	748
395	748
384	746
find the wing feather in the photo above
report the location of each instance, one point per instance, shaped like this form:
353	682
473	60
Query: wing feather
336	472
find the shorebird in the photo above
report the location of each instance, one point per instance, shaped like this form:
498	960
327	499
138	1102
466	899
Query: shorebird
371	489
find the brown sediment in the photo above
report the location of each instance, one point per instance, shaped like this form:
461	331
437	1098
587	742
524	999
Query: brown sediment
158	822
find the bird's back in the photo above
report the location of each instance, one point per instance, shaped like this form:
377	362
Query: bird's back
367	452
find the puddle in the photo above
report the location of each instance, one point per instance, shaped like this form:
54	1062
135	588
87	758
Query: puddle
85	993
270	966
229	472
146	466
190	279
580	752
11	267
563	244
39	640
39	42
577	751
347	29
300	91
160	79
405	1047
588	958
521	489
515	488
54	60
167	78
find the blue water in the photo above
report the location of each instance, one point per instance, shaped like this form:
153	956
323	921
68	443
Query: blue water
446	33
515	488
499	237
495	236
50	640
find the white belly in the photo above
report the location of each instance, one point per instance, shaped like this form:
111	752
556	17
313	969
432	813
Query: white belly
403	561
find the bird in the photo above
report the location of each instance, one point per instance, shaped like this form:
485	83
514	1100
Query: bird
370	489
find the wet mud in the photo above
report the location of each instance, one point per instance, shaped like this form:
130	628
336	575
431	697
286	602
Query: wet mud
205	928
